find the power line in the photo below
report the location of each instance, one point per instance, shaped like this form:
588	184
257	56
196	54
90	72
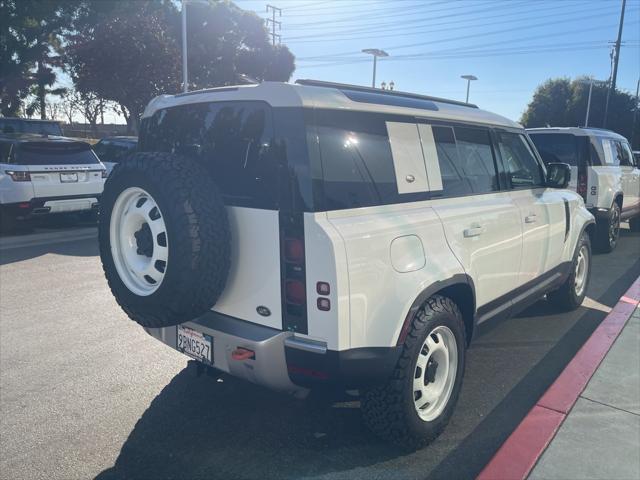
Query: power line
403	29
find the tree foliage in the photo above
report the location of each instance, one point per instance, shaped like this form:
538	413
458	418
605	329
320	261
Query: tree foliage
30	33
563	103
130	52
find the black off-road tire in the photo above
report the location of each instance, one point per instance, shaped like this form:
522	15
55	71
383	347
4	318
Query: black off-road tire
603	241
565	298
634	224
198	238
389	410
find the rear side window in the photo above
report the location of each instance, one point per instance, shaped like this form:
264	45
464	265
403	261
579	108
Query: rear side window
54	154
454	179
611	154
5	151
624	152
233	141
520	163
476	159
357	163
557	147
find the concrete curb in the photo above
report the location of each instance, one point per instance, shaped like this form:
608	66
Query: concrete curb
58	236
518	455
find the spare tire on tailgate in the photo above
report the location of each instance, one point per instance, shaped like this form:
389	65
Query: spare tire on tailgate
164	238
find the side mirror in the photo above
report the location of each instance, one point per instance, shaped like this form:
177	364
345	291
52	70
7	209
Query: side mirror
558	175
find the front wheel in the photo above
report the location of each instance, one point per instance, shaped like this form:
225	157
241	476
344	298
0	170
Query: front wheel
416	403
572	292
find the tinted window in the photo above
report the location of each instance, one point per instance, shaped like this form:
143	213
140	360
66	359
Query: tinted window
454	179
624	153
520	163
557	148
357	164
232	139
610	150
113	151
5	150
55	154
476	159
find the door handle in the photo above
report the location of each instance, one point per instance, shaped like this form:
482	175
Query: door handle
473	231
530	218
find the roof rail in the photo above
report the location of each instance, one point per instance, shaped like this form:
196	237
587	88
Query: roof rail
393	93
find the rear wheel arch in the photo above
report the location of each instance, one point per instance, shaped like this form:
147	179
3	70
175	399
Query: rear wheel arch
460	289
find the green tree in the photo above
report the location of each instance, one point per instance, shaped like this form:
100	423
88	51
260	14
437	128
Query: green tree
30	32
126	56
130	52
563	103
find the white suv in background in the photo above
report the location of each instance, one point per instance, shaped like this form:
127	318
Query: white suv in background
604	173
43	175
320	235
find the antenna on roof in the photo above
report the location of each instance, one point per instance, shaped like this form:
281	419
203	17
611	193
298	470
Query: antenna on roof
246	79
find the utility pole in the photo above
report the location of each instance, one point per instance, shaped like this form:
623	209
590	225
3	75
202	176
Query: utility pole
376	52
274	23
616	58
635	115
586	120
185	80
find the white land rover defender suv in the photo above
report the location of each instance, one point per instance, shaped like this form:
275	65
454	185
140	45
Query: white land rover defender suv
323	235
42	175
604	173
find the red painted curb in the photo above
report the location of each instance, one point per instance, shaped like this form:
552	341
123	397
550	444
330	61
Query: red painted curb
518	455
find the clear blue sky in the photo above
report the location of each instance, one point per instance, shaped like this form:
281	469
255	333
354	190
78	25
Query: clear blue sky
510	45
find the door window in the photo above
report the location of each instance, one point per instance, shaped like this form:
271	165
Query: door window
520	163
476	159
610	152
625	155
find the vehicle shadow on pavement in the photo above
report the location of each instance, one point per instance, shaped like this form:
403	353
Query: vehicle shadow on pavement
83	247
229	428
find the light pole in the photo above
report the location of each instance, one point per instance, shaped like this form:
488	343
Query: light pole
185	75
468	78
376	52
589	81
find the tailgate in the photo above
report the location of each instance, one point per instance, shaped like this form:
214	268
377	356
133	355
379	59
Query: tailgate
65	180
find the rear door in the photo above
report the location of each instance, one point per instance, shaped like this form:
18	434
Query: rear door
61	169
481	222
235	142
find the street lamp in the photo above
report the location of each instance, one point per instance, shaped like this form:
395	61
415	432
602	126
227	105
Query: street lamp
376	53
590	81
468	78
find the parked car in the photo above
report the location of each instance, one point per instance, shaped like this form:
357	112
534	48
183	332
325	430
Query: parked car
110	150
27	125
44	175
322	235
604	174
636	156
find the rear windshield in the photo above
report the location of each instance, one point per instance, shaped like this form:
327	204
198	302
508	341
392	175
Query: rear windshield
557	147
55	154
25	126
231	139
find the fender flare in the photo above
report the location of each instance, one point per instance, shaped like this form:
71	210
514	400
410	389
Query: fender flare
433	289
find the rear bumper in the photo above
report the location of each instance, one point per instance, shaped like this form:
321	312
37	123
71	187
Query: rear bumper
46	205
283	361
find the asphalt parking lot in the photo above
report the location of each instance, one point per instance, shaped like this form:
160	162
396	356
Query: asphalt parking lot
85	393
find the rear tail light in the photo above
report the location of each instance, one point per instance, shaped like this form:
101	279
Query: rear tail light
582	185
18	176
295	292
104	174
293	250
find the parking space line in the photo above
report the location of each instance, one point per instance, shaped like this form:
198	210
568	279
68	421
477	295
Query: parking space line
520	452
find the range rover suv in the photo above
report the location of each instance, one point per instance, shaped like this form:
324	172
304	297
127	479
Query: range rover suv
604	173
321	235
42	175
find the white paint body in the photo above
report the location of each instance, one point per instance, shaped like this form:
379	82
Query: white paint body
378	260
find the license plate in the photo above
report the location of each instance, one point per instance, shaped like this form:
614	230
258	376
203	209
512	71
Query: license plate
196	344
68	177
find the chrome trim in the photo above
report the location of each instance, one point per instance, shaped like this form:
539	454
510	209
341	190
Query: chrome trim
306	345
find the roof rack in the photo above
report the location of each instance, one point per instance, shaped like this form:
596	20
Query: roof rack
392	93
